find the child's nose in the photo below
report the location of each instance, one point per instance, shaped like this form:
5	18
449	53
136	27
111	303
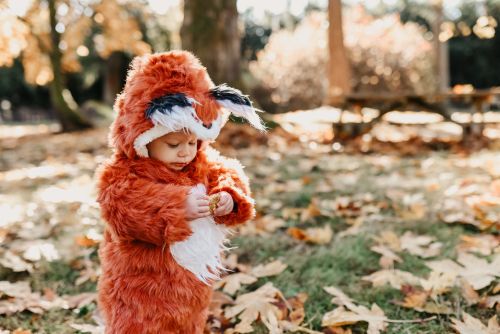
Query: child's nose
182	152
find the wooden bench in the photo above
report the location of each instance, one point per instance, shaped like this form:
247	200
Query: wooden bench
480	100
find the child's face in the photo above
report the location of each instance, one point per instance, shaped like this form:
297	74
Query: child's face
175	149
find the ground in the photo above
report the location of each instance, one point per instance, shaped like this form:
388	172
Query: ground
51	228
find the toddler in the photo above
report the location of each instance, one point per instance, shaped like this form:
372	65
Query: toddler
167	196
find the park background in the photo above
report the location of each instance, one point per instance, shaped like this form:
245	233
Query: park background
377	185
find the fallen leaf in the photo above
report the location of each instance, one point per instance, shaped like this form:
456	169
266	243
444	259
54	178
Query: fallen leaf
14	262
395	278
316	235
340	316
470	295
271	269
349	313
479	273
256	305
86	328
311	212
233	282
85	241
484	244
420	245
471	325
388	256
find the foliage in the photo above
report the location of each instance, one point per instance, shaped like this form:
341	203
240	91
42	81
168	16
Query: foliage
30	38
435	214
292	65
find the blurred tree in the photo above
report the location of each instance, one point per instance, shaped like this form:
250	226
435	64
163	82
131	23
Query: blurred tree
441	47
339	71
210	30
472	36
49	38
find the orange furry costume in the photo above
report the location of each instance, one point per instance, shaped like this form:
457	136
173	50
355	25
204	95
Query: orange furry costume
156	265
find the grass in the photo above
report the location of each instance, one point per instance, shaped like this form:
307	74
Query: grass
341	263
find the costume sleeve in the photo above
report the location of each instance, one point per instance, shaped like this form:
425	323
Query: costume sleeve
227	175
139	209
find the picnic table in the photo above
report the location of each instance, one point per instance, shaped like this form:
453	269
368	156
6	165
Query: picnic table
480	101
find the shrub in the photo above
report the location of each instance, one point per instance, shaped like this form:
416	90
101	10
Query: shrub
385	54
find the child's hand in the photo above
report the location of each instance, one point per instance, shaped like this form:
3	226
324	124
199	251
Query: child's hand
224	205
196	205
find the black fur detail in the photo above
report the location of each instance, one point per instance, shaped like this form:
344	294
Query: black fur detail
165	103
224	92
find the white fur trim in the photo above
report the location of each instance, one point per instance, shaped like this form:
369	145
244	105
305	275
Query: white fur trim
147	137
175	120
201	252
244	111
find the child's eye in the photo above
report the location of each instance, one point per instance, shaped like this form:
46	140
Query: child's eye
172	145
192	143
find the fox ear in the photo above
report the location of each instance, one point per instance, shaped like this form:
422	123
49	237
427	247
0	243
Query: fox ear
238	104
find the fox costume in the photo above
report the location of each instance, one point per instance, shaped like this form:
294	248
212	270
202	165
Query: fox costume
157	266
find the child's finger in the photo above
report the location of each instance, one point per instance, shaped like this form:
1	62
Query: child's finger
222	209
203	205
203	202
223	200
203	214
203	209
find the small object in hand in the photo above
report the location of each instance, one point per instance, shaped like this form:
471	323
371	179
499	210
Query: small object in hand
213	202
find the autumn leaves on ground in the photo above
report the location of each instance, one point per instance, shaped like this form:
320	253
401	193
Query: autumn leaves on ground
343	242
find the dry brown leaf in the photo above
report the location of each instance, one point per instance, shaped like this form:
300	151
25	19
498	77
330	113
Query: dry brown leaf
19	289
258	304
439	282
15	262
414	299
216	312
484	244
80	300
85	241
389	239
420	245
271	269
316	235
470	295
395	278
311	212
349	313
471	325
21	331
25	299
490	301
418	300
478	272
298	314
87	328
388	256
291	327
341	316
233	282
262	226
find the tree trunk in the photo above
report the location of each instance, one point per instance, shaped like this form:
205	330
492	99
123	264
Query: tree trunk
210	31
339	70
60	96
115	67
441	50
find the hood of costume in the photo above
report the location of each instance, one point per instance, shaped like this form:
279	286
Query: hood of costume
169	92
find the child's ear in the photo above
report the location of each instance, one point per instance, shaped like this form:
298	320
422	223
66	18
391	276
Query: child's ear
237	103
